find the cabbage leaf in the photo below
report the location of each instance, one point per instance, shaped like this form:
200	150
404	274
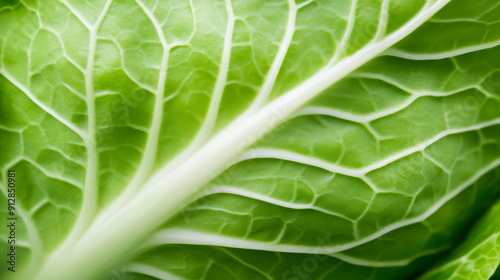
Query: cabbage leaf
263	139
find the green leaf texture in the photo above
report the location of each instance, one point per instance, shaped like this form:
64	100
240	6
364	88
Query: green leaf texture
265	139
478	257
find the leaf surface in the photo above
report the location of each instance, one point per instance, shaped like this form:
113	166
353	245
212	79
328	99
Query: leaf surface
354	139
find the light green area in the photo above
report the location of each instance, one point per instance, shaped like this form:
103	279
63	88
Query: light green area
478	256
233	139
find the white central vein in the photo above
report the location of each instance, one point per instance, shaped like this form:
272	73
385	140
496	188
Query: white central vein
167	192
215	155
211	159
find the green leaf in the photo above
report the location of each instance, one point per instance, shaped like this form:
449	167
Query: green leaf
478	257
233	139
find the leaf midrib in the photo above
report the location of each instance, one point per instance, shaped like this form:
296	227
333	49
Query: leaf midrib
262	121
258	124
